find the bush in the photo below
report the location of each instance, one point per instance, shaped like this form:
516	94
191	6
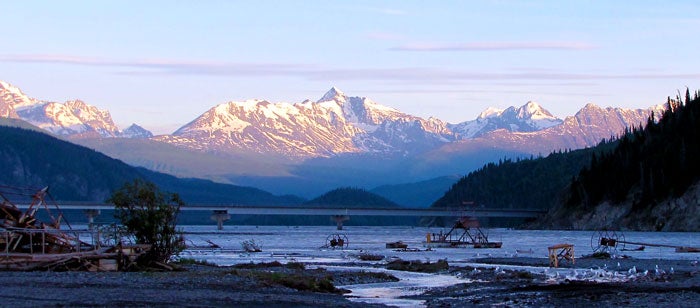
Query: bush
418	266
150	216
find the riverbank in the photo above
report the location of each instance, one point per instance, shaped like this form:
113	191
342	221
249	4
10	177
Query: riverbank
590	282
195	286
513	282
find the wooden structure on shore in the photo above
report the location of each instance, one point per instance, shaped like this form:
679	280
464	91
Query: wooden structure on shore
611	241
561	252
471	235
29	244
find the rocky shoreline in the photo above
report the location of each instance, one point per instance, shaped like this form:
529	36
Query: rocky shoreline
594	282
486	284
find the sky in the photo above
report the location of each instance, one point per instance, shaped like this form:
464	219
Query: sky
161	64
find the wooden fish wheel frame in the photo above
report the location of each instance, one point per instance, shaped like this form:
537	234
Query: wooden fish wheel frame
607	241
337	241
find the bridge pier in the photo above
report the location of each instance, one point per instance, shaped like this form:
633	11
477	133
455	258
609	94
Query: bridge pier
220	216
91	214
339	220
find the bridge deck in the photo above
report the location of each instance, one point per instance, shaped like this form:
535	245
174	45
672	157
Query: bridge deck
332	211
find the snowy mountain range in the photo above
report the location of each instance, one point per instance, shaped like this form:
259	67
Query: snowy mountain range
73	118
335	124
528	118
332	125
310	147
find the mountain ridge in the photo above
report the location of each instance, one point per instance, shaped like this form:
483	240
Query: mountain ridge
74	118
312	146
334	124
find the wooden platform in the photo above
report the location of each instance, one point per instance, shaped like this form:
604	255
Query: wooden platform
561	252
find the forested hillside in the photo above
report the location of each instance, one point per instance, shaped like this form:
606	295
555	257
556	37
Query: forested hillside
75	173
533	183
342	198
33	159
644	180
349	197
649	168
649	164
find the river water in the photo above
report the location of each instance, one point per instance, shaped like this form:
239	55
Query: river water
310	244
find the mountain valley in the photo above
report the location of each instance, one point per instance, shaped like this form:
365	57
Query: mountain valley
311	147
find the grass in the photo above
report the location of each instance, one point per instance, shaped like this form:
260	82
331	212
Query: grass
601	255
299	282
418	266
290	265
292	275
369	257
524	275
190	261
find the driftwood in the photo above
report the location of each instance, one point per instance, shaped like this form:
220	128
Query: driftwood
28	244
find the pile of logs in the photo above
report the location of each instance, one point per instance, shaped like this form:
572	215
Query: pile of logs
29	244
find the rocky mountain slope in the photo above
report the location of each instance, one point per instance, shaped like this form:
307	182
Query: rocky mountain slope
73	118
334	124
527	118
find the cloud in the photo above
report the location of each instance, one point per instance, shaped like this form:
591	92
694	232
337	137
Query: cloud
494	46
159	66
424	75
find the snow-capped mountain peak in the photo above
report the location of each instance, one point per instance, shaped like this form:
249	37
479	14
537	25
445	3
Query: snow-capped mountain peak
135	131
490	113
531	109
536	116
13	99
4	86
334	94
72	118
334	124
526	118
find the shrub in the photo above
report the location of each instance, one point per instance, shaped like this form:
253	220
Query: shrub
150	216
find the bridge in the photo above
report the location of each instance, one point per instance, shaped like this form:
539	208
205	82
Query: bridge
222	213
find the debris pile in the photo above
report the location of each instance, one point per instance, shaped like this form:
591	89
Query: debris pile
26	243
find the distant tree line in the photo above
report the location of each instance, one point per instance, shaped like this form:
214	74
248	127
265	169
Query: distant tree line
531	183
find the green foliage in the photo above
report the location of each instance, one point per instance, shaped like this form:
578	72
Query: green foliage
531	183
150	216
649	164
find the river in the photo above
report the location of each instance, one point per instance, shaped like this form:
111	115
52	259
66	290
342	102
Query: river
310	245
